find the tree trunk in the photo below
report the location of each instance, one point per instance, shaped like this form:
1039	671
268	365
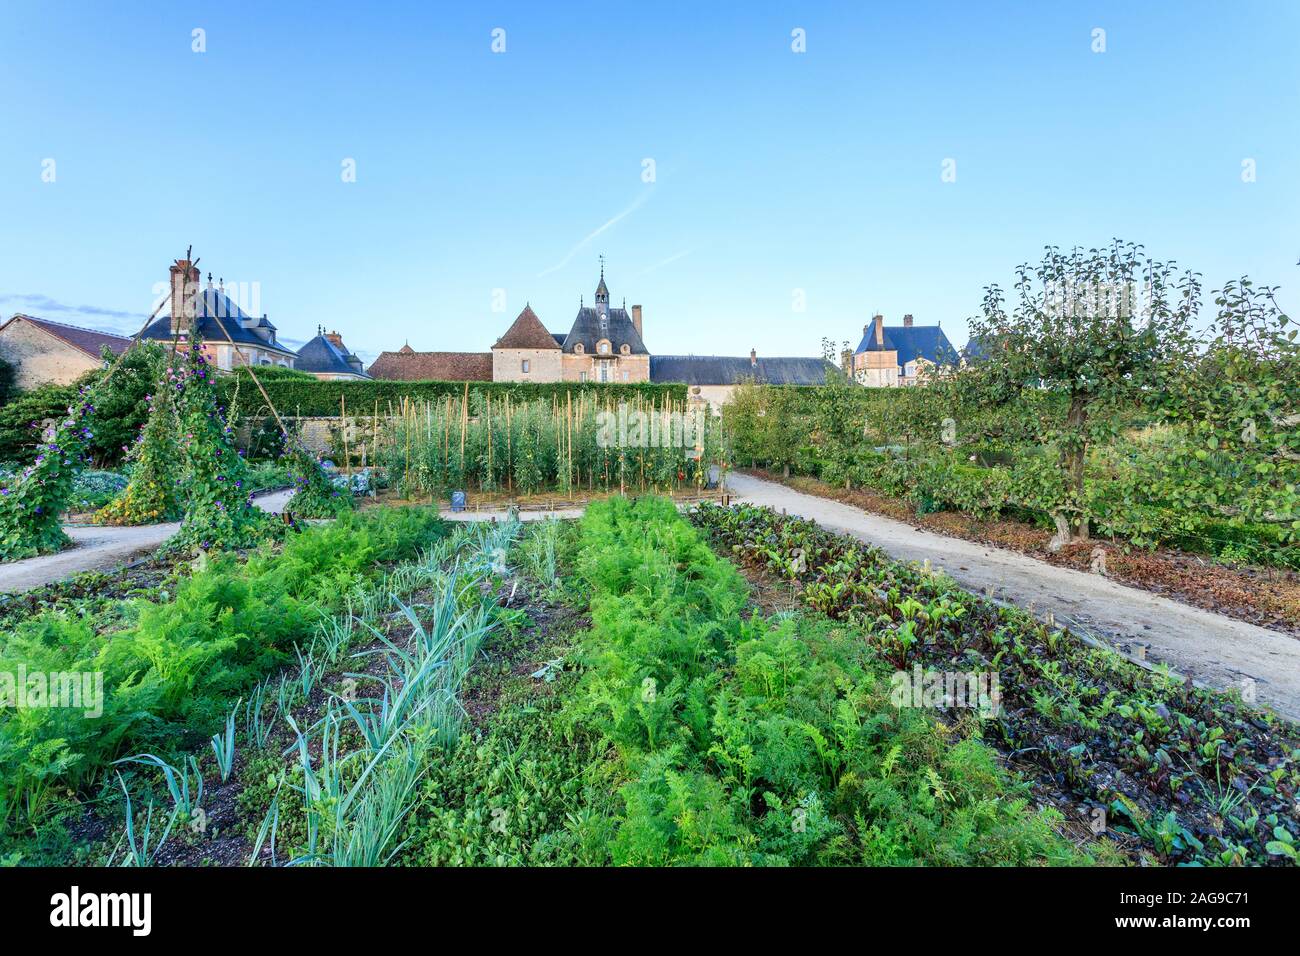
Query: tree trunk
1071	521
785	471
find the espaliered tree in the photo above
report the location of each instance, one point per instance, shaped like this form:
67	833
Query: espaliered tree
153	493
219	512
1240	406
1103	329
31	507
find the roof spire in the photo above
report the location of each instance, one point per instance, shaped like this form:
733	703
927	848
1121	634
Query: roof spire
602	290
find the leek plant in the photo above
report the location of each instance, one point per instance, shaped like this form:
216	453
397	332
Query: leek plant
140	853
184	799
353	816
256	727
224	746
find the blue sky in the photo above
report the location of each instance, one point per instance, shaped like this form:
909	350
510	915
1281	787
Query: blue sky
485	180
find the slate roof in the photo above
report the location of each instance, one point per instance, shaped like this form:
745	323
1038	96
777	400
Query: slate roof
726	370
322	355
974	350
90	341
216	311
411	366
912	342
526	332
586	329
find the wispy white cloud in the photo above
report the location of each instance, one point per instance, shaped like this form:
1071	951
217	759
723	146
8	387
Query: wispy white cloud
663	262
636	204
43	306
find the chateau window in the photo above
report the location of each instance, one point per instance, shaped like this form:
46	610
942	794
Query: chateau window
582	376
578	347
604	372
625	373
625	349
523	366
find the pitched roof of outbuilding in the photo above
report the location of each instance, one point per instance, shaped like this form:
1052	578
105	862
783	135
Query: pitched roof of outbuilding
411	366
526	332
90	341
322	355
728	370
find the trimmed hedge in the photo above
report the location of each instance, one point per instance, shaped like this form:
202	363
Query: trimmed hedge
321	399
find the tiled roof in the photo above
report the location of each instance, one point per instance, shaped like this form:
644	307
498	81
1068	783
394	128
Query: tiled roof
216	311
526	332
90	341
726	370
322	355
586	329
912	342
411	366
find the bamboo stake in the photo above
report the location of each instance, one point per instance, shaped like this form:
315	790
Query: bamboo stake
343	427
464	424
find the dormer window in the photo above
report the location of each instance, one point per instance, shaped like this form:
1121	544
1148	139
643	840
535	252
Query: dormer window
577	347
603	346
625	349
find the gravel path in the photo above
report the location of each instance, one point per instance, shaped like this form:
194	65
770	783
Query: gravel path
1210	648
103	547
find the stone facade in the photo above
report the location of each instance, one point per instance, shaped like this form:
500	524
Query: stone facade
526	365
39	357
50	352
580	367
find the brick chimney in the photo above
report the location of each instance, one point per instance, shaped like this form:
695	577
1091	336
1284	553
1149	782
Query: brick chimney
753	358
185	291
336	340
636	320
907	321
879	322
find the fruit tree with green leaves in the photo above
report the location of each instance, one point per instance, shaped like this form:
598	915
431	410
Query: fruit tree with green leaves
1103	330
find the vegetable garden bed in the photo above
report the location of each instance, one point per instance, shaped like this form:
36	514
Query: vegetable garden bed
1196	776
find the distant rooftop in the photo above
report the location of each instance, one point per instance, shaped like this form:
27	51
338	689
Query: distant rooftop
90	341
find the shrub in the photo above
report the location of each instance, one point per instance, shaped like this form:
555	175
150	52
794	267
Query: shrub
94	489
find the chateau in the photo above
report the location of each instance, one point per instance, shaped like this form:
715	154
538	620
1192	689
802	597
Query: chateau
891	356
604	344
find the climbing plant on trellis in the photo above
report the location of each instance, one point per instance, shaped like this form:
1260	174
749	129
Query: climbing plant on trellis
219	511
153	493
30	507
315	495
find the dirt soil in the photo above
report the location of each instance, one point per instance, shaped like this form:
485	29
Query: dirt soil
1210	648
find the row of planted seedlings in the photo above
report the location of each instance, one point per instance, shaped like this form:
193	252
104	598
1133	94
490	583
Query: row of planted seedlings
320	764
1187	774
